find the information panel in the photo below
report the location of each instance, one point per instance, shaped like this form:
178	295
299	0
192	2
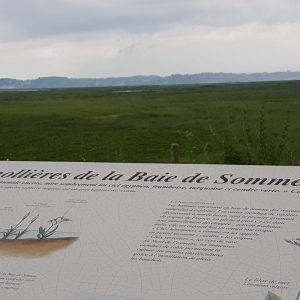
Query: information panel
102	231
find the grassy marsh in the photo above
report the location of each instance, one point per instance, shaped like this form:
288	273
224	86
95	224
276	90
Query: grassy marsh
208	122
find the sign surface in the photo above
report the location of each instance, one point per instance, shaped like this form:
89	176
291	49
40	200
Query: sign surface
90	231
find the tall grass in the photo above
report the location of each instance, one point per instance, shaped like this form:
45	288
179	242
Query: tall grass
101	125
242	143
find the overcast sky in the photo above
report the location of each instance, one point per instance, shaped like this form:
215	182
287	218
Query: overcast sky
103	38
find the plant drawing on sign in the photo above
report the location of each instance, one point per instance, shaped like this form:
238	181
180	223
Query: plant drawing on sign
21	240
272	296
14	230
295	242
45	233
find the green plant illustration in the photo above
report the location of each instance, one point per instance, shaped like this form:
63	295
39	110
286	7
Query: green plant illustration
272	296
15	230
20	241
45	233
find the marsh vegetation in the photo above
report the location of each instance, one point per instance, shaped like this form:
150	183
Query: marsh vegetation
231	123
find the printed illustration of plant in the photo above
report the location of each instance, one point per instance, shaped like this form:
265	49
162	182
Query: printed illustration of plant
14	230
45	233
295	242
20	233
272	296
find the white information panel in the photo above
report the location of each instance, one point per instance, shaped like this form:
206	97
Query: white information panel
102	231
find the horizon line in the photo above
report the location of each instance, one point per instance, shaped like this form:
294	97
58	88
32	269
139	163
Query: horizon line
148	75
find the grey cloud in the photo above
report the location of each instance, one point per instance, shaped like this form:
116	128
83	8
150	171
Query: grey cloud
40	18
239	12
44	18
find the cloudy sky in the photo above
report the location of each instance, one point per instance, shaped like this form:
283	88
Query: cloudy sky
103	38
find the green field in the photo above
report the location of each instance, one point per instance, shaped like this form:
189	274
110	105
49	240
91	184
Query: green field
232	123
